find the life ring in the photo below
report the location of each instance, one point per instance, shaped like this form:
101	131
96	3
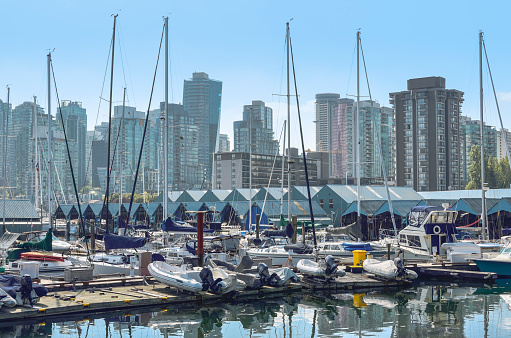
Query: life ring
437	306
437	229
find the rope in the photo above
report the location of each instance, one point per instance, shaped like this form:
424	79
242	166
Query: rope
68	156
143	136
469	225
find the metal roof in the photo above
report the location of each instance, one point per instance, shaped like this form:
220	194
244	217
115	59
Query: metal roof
401	208
367	208
274	194
439	202
193	206
374	193
457	194
474	205
299	208
504	204
240	195
18	210
215	195
191	196
217	206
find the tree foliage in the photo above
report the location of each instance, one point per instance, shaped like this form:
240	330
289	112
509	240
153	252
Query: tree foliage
496	173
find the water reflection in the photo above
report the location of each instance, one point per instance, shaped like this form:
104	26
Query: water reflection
434	310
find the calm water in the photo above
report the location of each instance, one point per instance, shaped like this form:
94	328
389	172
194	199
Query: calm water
424	311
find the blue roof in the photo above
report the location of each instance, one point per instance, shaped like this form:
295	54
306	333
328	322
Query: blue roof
457	194
374	193
19	210
367	208
401	208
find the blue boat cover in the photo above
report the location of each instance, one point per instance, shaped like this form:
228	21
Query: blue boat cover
170	226
357	246
122	242
12	284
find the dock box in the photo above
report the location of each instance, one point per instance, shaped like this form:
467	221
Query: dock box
81	274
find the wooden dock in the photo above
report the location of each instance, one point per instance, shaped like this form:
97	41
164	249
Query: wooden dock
107	295
352	282
452	271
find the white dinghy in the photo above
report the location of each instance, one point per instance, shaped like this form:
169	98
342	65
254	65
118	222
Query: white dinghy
326	269
169	275
389	269
6	300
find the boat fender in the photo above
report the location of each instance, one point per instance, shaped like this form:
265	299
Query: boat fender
331	268
437	229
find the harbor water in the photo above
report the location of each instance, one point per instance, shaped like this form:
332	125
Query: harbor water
421	311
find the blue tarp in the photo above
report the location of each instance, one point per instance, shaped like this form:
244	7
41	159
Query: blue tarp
122	242
12	284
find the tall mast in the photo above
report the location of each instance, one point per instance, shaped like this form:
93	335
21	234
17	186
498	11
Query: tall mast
250	168
288	131
121	155
50	189
36	158
484	217
6	128
282	180
166	126
107	194
357	129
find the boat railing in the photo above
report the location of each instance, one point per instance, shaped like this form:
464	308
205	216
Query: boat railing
388	233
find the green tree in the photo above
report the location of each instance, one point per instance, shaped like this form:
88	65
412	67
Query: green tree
497	174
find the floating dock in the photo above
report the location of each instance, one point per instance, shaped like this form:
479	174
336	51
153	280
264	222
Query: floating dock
452	271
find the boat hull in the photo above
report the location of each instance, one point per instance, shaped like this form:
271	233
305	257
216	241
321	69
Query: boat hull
500	267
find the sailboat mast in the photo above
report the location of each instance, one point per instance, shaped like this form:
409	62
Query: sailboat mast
6	128
484	217
357	129
282	180
288	131
120	157
107	194
250	169
36	159
50	189
166	126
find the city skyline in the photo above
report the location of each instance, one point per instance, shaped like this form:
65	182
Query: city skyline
323	47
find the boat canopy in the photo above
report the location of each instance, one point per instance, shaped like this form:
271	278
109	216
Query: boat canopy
113	241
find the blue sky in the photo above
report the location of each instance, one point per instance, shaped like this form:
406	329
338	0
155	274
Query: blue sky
241	43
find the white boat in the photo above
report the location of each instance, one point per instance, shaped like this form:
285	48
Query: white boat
280	252
428	228
215	280
185	280
390	269
500	264
326	269
47	262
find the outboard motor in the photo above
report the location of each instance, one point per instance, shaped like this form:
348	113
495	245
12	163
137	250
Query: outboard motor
331	268
401	271
265	277
26	290
208	283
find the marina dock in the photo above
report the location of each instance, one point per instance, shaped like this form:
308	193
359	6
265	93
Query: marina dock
126	293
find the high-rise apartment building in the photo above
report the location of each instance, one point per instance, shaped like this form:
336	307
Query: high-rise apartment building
262	130
471	136
502	139
125	150
224	145
427	118
75	122
232	170
4	117
374	120
185	170
339	132
202	99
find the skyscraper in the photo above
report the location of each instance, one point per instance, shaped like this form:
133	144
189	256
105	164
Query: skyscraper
185	171
224	145
125	151
339	131
75	119
471	136
262	130
202	99
502	139
428	135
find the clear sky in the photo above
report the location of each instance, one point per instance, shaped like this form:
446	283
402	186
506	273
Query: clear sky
241	43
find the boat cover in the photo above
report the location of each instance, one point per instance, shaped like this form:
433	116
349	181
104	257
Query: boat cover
44	244
299	248
357	246
113	241
279	233
170	226
12	284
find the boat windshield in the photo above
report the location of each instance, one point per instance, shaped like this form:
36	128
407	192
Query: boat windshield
441	217
417	217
